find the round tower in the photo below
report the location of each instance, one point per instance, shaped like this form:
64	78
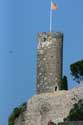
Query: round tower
49	61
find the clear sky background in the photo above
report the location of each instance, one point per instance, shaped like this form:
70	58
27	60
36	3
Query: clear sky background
20	21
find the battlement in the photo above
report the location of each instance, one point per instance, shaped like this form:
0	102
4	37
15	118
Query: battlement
45	40
49	61
51	34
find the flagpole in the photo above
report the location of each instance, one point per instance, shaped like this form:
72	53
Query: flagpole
51	17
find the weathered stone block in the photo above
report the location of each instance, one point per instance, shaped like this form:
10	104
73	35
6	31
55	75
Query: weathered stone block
49	61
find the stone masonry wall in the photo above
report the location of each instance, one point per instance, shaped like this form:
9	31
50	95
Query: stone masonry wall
50	106
49	61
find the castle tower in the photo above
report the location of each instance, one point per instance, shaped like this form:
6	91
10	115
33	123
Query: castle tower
49	61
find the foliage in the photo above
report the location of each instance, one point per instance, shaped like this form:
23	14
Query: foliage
64	83
77	70
16	112
76	113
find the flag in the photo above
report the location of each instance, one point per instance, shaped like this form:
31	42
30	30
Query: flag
54	6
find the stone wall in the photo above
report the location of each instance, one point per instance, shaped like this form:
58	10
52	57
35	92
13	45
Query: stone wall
49	62
49	106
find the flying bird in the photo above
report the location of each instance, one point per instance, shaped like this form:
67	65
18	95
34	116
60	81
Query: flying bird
10	51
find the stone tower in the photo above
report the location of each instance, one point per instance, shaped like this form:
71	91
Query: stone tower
49	61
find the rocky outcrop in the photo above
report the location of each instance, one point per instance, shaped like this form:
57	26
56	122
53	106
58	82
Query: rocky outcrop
49	106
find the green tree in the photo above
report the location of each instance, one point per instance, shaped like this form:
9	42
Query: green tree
76	113
77	70
64	83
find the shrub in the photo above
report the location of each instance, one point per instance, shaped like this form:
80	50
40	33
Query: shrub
76	113
16	112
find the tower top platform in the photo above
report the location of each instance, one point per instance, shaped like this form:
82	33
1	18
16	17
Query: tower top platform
52	34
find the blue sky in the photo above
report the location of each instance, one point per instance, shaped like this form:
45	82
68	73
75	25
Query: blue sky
20	21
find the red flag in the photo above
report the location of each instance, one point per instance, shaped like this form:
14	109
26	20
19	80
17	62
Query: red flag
54	6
